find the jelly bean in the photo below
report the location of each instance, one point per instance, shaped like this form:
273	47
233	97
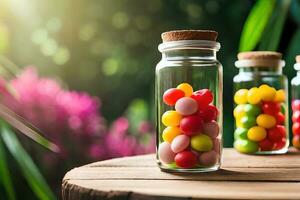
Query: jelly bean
239	111
240	133
165	153
190	125
296	104
170	133
208	113
280	96
186	106
186	88
203	97
280	145
296	116
209	158
171	118
256	133
186	159
248	121
282	108
267	93
280	118
271	108
276	133
240	96
296	128
245	146
172	165
201	142
252	110
211	129
253	96
238	123
172	95
266	145
217	145
180	143
266	121
296	141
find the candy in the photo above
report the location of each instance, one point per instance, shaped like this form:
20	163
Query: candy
296	141
267	93
271	108
248	121
186	159
217	145
186	88
208	113
191	124
240	96
245	146
253	96
238	123
172	95
186	106
266	121
280	96
280	145
166	155
296	116
208	158
203	97
201	142
180	143
239	111
296	104
252	110
256	133
170	133
240	133
276	133
171	118
266	145
280	118
296	128
211	129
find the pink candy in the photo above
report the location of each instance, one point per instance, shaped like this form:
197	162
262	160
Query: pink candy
165	153
211	129
186	106
208	158
180	143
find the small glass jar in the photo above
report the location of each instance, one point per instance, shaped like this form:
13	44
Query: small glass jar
189	102
295	83
261	106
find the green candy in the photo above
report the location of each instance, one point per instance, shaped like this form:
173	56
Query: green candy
245	146
201	143
248	121
282	108
252	110
240	133
172	165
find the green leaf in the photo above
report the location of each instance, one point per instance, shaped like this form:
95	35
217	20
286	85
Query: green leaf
293	50
5	175
27	166
255	24
272	34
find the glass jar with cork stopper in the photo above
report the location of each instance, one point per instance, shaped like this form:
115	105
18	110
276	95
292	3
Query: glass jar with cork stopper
261	104
188	97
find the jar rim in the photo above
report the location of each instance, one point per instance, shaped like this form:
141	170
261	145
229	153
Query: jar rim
259	63
189	44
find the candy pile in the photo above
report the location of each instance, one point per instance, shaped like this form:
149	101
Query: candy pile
190	136
259	119
296	123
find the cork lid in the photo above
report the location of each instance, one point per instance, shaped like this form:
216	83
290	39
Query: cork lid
189	35
298	59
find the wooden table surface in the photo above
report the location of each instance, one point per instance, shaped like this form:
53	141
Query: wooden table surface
240	177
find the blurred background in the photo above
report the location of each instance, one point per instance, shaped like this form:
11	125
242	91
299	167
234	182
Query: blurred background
85	74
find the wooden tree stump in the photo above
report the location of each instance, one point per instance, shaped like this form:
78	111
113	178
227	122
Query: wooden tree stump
139	178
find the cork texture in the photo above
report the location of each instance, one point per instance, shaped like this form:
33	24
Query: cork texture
259	55
189	35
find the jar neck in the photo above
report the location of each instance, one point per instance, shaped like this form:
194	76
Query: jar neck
190	54
261	70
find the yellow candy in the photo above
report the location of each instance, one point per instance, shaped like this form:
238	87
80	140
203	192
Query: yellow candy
267	93
256	133
186	88
238	123
240	96
170	133
171	118
280	96
266	121
254	96
239	111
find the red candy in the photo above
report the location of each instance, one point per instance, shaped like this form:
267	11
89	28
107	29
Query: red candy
203	97
280	144
296	105
191	124
296	116
277	133
280	118
186	159
296	128
208	113
266	145
271	108
172	95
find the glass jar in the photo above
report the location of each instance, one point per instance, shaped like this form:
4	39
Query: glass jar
295	83
189	102
261	106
